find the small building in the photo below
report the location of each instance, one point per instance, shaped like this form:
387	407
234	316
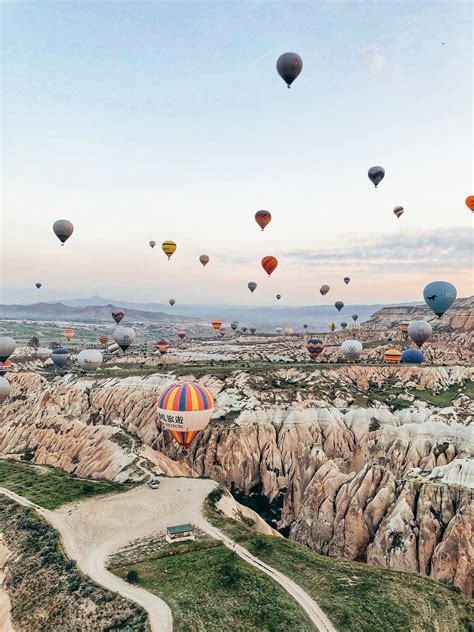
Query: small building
180	532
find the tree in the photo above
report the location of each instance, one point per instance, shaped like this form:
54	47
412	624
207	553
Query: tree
132	577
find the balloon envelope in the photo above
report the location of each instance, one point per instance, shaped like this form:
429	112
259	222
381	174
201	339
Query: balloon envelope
332	326
38	285
4	389
7	347
185	409
343	325
347	280
252	286
171	302
89	359
234	325
68	334
181	335
124	337
404	327
398	211
63	229
42	353
216	324
314	347
412	356
152	244
376	175
338	305
470	202
103	341
289	66
263	218
355	317
118	315
162	346
439	296
278	297
278	330
204	259
324	289
60	357
351	350
419	331
392	356
253	330
168	248
269	264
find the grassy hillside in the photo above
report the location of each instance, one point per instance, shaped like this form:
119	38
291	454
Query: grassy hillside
50	487
210	588
47	592
357	597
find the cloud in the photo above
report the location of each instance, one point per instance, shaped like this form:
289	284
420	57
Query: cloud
372	59
447	249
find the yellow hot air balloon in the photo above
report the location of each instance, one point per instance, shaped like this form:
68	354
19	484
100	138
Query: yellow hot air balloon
168	247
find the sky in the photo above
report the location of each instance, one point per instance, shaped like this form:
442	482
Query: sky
142	121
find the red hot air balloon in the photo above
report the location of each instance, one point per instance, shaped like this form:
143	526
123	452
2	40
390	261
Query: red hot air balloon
162	346
263	218
103	341
269	264
118	315
181	335
68	334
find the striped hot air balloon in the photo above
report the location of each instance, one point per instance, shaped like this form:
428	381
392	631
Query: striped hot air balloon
332	326
168	247
103	340
216	324
314	347
269	264
263	218
404	327
68	334
184	409
392	356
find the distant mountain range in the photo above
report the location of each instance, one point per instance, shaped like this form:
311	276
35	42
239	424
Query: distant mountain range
97	309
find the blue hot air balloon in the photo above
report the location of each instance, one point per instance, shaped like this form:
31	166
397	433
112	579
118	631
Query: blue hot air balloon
412	356
439	296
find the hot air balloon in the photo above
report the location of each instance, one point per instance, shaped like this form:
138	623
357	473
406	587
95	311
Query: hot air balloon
392	356
7	347
89	359
4	389
288	331
5	367
43	354
181	335
324	289
404	327
162	346
171	302
204	259
412	356
68	333
351	349
338	305
305	326
269	264
103	340
63	229
376	175
118	315
439	296
168	248
289	66
398	211
470	202
332	326
343	325
278	330
184	409
419	331
252	286
152	244
355	317
347	280
113	348
234	324
314	347
216	324
244	329
253	330
38	285
124	337
278	297
60	357
263	218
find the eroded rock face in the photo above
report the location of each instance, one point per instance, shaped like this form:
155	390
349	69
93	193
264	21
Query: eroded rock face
360	472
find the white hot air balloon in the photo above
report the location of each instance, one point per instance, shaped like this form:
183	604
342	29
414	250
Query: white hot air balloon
43	354
419	331
124	337
89	359
351	349
7	347
4	389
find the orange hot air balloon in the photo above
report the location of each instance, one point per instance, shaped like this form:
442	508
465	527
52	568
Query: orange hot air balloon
404	327
269	264
68	334
263	218
470	202
216	324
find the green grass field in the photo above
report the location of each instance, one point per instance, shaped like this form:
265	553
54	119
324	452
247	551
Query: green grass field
357	597
50	487
213	590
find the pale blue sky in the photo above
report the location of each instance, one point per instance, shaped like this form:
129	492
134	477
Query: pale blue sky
142	121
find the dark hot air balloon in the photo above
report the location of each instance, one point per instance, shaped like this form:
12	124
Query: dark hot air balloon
289	66
252	286
324	289
338	305
278	297
263	218
376	175
355	317
38	285
63	229
343	325
412	356
118	315
398	211
204	259
314	347
152	244
347	280
419	331
171	302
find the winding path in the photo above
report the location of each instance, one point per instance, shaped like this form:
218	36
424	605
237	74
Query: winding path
94	529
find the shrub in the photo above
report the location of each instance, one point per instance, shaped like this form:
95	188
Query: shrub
132	577
215	496
88	488
374	425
